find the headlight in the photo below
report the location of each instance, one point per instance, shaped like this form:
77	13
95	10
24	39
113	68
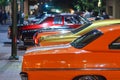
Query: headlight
24	76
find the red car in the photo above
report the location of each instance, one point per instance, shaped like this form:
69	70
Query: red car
26	32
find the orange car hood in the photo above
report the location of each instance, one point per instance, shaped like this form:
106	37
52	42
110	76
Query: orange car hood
53	50
46	48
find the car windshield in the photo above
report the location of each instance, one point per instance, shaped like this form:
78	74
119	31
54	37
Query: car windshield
43	17
85	20
81	27
86	39
75	19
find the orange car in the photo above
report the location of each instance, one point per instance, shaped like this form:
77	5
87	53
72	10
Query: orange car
93	56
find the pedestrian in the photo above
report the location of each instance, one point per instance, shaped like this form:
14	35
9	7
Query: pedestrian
4	16
22	17
105	15
87	14
1	22
18	17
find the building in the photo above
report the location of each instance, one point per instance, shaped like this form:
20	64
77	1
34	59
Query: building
113	8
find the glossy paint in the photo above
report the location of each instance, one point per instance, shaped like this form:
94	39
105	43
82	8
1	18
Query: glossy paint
65	62
37	36
46	22
49	22
45	40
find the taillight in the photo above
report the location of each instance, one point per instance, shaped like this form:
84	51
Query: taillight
24	76
35	38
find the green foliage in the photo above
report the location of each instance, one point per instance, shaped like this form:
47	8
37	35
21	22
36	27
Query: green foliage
4	2
79	5
82	5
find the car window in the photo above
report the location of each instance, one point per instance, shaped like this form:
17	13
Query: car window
86	39
83	20
115	44
57	20
81	27
68	20
42	19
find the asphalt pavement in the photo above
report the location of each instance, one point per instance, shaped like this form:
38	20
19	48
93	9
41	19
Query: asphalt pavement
9	69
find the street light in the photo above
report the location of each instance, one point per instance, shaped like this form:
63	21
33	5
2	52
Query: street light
46	5
99	5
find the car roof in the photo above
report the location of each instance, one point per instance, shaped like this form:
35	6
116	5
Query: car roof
111	27
110	33
65	14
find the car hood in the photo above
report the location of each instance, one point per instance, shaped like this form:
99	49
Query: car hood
106	22
56	49
47	48
32	26
55	36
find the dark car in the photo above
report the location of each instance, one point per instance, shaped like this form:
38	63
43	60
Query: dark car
26	32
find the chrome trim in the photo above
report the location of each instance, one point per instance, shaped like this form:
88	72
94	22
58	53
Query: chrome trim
67	69
24	76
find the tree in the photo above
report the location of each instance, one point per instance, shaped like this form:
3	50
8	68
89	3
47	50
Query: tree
4	3
81	5
63	4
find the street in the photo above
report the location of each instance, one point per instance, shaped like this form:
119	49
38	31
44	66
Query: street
9	69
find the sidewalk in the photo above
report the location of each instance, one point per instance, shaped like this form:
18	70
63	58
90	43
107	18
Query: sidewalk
9	69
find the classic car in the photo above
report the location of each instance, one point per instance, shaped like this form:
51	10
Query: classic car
52	30
26	32
42	39
92	56
34	18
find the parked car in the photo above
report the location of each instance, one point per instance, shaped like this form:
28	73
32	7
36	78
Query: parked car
35	18
92	56
52	30
26	32
44	39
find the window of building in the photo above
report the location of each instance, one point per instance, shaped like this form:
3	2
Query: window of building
110	10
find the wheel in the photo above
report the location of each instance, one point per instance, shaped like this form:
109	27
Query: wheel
89	77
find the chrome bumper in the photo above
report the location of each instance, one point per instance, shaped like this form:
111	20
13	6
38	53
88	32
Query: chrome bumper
24	76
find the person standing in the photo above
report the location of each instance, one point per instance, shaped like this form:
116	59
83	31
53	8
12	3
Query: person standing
87	14
1	22
105	15
5	16
22	17
18	17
